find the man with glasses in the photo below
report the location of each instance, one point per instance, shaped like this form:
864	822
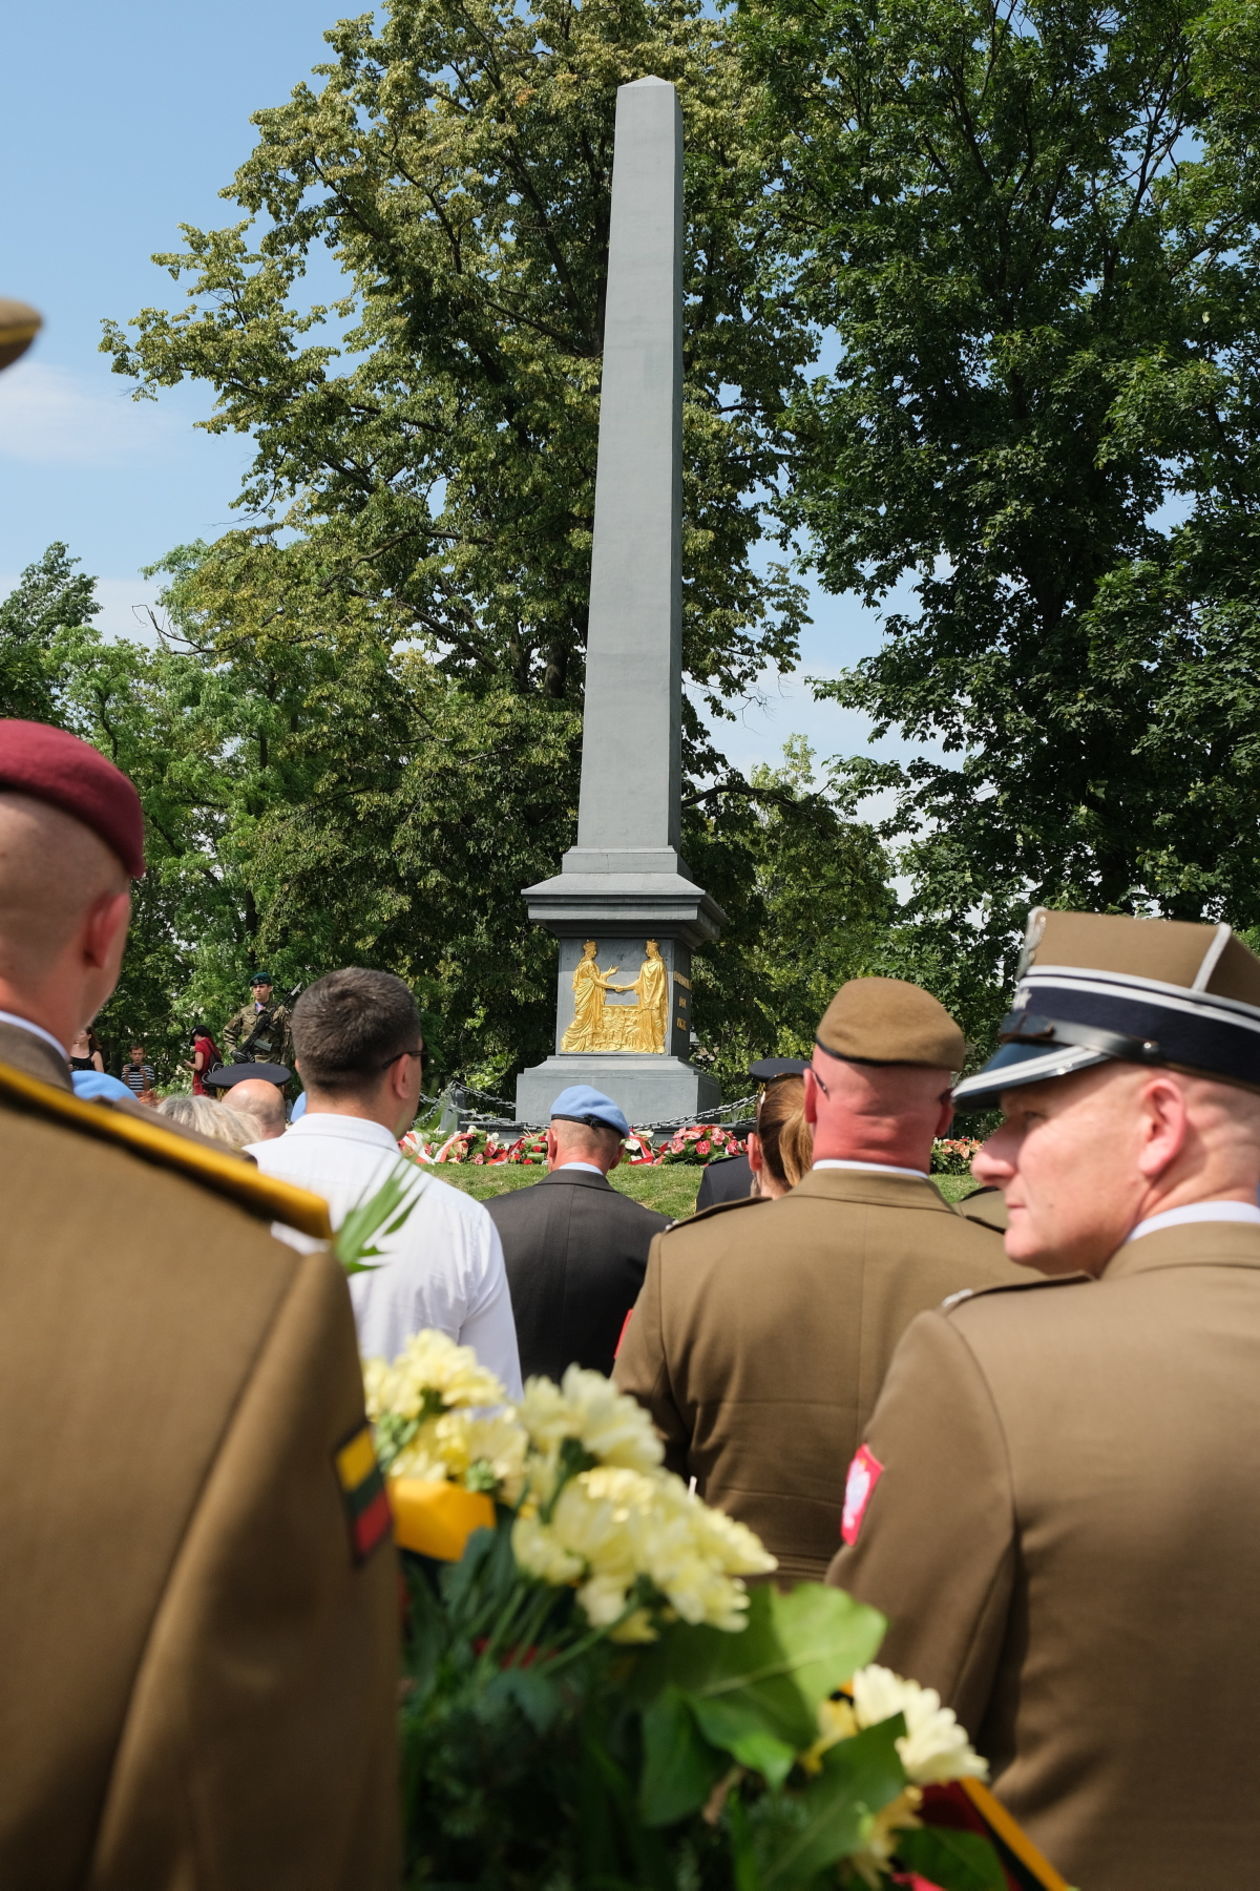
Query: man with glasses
359	1051
1054	1501
761	1337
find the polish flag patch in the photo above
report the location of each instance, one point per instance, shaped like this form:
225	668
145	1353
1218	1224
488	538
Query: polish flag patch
864	1474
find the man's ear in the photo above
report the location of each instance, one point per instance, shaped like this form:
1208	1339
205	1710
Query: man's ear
1165	1127
618	1153
946	1116
756	1161
811	1096
553	1148
106	918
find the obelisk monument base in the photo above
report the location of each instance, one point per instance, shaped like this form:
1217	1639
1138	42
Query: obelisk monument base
648	1089
618	909
624	907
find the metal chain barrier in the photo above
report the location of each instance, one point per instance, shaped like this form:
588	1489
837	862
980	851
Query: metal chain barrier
461	1095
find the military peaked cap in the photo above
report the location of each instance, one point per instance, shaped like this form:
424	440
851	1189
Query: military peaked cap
1099	986
887	1021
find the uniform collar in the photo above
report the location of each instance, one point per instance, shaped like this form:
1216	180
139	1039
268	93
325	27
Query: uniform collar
36	1030
1221	1233
1196	1211
28	1047
860	1182
872	1168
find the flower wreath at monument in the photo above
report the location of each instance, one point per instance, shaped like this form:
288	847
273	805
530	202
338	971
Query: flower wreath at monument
698	1144
594	1697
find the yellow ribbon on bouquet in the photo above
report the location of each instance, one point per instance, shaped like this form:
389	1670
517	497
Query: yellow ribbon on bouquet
435	1518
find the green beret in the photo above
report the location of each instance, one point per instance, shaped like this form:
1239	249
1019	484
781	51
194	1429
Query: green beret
887	1021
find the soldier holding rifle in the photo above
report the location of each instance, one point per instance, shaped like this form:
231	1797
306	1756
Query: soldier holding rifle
259	1032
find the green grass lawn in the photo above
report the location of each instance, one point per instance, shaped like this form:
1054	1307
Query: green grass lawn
671	1191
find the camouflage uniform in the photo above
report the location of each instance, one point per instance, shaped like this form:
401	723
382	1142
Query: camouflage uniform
271	1044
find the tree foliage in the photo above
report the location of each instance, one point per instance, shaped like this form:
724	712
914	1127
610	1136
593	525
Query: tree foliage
388	656
315	798
1033	225
431	432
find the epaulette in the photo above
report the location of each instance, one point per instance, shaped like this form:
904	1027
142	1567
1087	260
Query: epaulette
225	1173
1033	1284
717	1208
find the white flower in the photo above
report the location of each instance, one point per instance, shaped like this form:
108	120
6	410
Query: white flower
610	1527
934	1748
430	1371
540	1553
585	1406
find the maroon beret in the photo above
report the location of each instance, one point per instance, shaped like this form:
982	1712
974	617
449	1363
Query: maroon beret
54	766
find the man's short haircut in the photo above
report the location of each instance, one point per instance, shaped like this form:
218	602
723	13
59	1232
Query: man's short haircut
350	1025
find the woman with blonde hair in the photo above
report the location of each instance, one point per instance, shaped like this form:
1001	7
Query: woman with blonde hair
781	1148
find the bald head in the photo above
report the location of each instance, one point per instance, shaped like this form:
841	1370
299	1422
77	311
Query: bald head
264	1101
885	1113
64	906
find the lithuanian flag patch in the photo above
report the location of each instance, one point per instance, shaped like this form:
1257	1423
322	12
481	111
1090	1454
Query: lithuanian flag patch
363	1493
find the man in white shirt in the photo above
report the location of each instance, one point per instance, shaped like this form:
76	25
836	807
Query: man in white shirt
358	1047
1054	1502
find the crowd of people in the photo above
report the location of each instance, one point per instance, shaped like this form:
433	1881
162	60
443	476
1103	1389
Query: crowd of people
1030	1449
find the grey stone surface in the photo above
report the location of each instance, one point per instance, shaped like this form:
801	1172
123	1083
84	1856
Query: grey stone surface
631	756
649	1089
624	882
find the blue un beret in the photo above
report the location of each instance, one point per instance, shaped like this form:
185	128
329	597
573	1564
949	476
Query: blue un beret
582	1104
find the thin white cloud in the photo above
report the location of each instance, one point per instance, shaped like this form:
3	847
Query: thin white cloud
124	602
51	416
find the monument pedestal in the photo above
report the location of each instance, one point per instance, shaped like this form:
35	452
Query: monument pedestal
609	902
649	1089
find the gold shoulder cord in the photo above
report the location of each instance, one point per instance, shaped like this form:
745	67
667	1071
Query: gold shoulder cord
226	1174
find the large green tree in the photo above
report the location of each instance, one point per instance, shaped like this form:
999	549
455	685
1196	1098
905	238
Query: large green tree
431	430
422	490
1033	226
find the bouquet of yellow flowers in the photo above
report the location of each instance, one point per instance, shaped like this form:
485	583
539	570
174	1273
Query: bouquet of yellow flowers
595	1700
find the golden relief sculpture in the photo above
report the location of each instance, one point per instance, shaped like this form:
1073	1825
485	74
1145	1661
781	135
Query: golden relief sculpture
600	1026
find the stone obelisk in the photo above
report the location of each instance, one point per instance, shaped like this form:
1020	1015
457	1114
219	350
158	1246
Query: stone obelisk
624	890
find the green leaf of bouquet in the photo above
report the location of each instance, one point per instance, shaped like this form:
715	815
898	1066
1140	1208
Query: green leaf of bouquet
858	1778
383	1212
537	1698
957	1861
680	1769
727	1725
793	1651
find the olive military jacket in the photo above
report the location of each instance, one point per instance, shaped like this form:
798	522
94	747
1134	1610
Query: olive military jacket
764	1329
1057	1510
200	1661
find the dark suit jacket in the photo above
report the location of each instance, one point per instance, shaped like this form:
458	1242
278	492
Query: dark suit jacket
728	1179
575	1249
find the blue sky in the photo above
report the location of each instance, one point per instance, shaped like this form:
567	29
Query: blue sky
115	127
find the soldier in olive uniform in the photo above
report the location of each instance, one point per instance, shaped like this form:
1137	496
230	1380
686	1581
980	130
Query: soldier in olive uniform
197	1586
764	1328
1055	1499
259	1032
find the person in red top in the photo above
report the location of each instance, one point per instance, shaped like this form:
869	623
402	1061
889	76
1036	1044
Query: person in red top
205	1057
